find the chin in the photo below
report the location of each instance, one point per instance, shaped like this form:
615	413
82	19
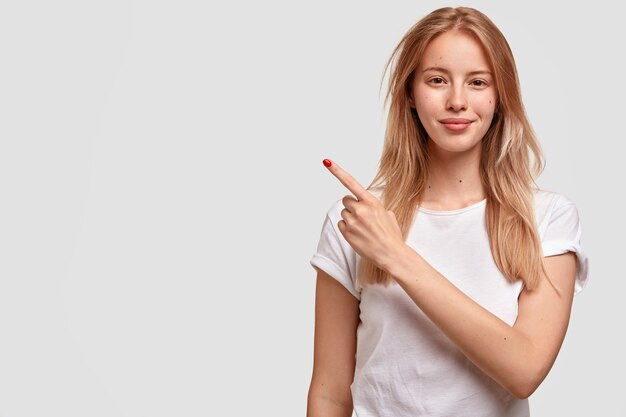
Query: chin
457	146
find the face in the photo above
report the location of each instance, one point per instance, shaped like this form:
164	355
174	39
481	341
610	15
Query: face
454	93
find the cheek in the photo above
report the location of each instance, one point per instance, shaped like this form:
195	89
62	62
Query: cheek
425	103
486	106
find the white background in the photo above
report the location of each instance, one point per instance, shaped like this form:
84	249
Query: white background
162	192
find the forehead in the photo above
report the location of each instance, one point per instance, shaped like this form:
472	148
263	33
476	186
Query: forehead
455	51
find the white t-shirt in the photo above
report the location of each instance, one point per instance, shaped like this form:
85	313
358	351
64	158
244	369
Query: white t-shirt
405	365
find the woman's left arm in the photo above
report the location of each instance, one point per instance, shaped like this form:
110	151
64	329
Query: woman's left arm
517	357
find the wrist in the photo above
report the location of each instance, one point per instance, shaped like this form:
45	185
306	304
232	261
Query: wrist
396	260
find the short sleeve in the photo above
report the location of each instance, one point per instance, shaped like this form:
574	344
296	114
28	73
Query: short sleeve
334	254
562	234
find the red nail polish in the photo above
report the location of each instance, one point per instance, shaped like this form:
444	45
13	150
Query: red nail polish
327	163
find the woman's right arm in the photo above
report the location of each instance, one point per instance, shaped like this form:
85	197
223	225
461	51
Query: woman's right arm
336	321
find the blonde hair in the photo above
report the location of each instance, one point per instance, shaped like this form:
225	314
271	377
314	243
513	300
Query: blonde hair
505	163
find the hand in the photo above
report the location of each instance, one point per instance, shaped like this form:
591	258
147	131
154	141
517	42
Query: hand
371	229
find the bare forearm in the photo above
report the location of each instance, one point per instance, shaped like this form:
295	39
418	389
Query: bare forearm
323	406
499	350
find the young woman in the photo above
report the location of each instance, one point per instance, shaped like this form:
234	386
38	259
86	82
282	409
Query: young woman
445	287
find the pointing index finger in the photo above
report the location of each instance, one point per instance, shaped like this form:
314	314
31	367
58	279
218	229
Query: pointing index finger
347	180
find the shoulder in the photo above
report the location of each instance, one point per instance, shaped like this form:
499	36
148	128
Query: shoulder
334	212
543	196
553	209
547	202
560	231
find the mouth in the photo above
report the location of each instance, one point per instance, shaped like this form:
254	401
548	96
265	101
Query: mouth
455	120
456	125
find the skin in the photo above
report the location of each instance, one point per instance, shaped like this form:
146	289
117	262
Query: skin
452	90
518	357
334	362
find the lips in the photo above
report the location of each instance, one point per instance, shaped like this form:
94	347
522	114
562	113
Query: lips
455	121
456	124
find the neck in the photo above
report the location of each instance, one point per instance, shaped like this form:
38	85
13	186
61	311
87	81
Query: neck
454	179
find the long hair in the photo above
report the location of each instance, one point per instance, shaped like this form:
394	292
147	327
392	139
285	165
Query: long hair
506	170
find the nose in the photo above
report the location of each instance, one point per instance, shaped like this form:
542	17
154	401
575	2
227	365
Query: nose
456	99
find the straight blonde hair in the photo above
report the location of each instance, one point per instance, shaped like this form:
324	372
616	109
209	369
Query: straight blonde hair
506	149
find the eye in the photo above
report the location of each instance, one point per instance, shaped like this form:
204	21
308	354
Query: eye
438	80
479	83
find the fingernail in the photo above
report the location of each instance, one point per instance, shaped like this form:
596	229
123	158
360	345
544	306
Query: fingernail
327	163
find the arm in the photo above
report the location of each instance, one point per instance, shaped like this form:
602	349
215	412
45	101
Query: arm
336	321
518	357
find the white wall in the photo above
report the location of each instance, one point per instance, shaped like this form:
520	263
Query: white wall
162	192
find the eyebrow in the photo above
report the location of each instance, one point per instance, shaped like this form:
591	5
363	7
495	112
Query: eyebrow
440	69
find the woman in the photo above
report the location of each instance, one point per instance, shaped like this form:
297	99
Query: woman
445	288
